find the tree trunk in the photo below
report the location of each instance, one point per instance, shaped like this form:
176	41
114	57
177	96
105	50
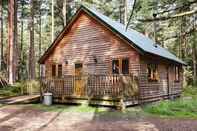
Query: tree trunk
183	38
120	13
52	22
64	12
40	38
16	49
125	11
21	42
1	35
31	47
11	40
194	54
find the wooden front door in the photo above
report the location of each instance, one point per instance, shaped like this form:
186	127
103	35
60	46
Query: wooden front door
79	83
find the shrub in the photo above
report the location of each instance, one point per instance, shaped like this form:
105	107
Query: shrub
30	87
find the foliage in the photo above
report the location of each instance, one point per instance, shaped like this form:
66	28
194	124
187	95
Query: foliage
190	91
30	87
185	107
8	91
20	88
178	108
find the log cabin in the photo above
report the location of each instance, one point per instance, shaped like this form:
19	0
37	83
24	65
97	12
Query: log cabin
96	60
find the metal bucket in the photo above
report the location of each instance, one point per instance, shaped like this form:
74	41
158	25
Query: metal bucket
47	99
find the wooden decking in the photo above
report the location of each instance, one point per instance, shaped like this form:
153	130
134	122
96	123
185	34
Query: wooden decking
115	90
20	99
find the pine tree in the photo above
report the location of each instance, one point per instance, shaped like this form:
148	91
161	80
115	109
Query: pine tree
31	47
11	41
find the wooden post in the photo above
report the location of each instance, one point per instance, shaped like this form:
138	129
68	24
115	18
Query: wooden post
121	105
41	90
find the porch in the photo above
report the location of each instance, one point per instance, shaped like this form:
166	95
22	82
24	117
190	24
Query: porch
112	90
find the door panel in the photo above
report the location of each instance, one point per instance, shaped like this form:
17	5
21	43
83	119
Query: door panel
79	83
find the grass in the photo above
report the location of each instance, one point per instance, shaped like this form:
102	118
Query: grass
68	108
190	91
185	107
99	112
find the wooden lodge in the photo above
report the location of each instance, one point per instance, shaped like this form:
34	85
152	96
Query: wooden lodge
95	60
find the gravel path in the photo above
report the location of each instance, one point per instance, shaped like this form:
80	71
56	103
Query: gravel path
24	118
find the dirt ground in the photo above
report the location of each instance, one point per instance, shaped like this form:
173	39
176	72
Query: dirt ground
25	118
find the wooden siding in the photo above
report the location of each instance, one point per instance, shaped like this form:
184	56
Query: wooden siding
88	39
158	89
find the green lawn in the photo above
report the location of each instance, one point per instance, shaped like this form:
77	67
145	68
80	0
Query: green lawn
184	107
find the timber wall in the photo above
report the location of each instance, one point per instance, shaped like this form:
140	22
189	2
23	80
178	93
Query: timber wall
86	40
156	90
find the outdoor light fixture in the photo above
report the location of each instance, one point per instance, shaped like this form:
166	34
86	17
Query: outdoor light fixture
95	59
66	62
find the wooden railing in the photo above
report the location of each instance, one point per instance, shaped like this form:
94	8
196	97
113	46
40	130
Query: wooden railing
92	86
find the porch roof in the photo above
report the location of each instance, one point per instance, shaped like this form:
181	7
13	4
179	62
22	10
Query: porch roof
136	39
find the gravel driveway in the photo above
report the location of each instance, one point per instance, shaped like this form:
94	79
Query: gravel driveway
25	118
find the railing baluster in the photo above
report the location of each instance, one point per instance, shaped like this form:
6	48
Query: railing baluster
93	85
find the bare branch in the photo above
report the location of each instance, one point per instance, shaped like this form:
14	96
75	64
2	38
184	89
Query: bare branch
169	17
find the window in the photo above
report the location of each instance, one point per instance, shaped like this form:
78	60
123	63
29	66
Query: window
152	72
120	66
125	66
53	70
177	73
115	66
59	71
78	65
78	69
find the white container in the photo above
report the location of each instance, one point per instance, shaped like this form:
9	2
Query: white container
47	99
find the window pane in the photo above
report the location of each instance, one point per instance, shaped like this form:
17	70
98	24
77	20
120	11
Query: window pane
53	70
78	65
149	71
59	70
115	66
152	72
125	66
176	73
